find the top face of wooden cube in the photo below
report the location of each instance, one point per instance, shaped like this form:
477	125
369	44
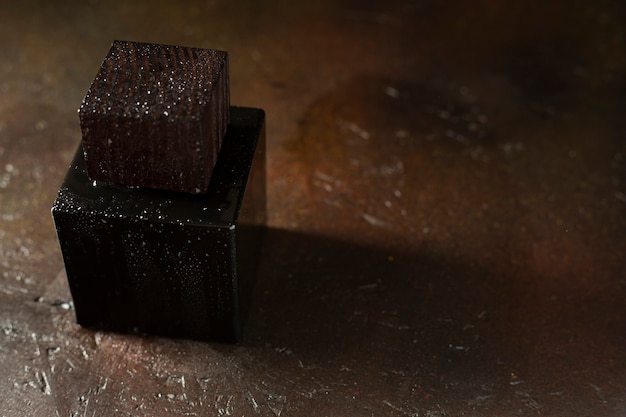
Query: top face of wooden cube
155	116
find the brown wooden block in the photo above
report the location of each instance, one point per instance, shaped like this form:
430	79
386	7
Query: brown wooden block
155	116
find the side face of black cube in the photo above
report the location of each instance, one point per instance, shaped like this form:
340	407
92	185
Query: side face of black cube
168	263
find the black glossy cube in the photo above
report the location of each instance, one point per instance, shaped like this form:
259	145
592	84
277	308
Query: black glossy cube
168	263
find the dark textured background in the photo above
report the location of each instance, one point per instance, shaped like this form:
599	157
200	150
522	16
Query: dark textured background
447	201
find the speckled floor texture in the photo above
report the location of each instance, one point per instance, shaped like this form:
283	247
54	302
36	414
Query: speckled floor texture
446	199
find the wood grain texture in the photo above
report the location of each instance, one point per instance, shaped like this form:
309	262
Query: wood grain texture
155	116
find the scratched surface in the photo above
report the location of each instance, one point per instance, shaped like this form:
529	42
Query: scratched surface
447	199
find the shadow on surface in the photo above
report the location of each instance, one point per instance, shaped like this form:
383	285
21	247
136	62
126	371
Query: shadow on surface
332	301
328	297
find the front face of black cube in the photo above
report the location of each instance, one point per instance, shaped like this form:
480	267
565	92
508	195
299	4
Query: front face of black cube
141	276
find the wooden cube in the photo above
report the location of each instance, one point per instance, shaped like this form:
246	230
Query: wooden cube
155	116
